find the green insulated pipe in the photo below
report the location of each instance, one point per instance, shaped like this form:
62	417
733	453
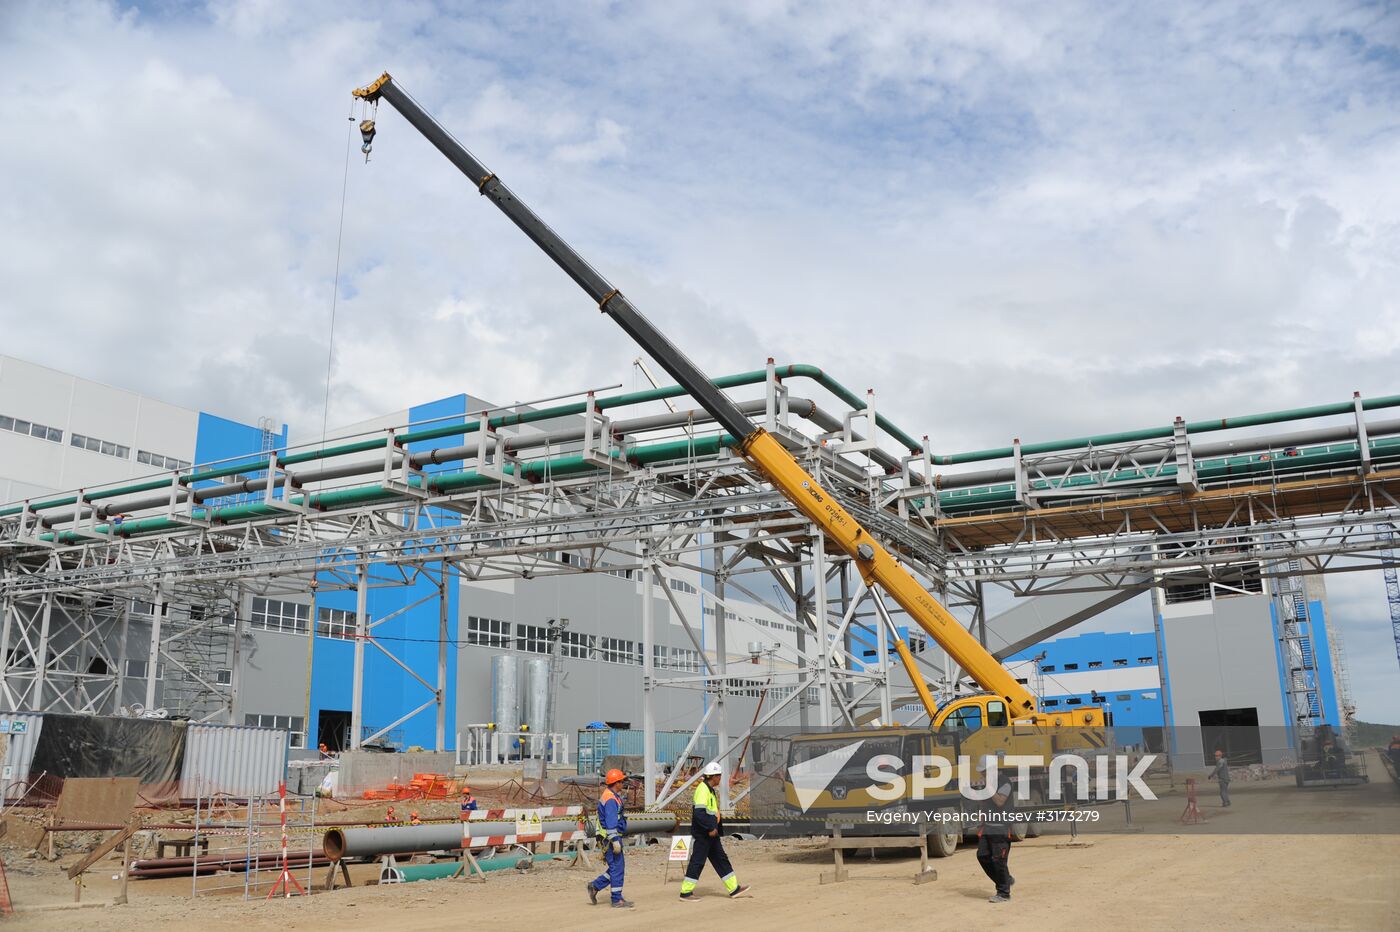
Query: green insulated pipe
451	428
336	499
1153	433
1383	451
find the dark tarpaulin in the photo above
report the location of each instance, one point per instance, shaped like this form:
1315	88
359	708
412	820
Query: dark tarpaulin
151	750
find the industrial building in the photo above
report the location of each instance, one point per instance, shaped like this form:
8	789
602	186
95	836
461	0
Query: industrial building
1255	656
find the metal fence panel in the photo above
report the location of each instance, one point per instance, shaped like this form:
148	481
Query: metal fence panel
233	760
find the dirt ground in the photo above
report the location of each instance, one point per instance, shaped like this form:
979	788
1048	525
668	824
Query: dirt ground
1199	876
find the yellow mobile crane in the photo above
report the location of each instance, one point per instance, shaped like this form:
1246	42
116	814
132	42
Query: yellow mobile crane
1005	701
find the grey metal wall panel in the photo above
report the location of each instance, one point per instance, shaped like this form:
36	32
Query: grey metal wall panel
20	752
274	675
590	690
233	760
1224	658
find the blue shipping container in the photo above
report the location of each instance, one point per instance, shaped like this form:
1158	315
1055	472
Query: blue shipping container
596	745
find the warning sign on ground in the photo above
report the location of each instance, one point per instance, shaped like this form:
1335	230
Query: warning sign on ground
680	848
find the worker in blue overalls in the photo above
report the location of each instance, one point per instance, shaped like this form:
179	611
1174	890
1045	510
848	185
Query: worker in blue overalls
612	824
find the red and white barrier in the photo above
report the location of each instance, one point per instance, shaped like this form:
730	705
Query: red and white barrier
285	881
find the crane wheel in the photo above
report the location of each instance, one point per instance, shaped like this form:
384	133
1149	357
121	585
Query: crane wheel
943	844
1032	829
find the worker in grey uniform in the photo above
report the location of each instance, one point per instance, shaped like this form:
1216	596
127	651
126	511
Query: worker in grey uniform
1220	773
994	834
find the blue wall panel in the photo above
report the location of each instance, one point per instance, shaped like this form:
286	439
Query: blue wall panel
217	438
1141	709
412	635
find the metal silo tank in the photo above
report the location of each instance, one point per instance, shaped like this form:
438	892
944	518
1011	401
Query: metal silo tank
505	692
537	699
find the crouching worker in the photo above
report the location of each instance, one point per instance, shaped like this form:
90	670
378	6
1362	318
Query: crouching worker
705	841
612	823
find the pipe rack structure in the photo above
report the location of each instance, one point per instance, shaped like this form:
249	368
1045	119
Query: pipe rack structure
619	483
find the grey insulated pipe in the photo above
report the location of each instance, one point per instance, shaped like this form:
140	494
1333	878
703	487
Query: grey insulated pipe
801	407
341	843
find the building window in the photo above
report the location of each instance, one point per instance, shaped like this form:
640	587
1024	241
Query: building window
136	668
105	447
30	429
1237	580
675	658
295	726
1095	664
1071	666
1121	662
1075	701
1048	668
488	632
755	688
685	660
576	644
532	639
1124	697
1051	703
1188	587
616	650
147	458
223	677
335	623
680	585
276	615
1144	660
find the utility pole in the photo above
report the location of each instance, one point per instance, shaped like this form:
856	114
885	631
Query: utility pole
555	635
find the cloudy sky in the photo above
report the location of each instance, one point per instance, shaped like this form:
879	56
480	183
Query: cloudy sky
1030	220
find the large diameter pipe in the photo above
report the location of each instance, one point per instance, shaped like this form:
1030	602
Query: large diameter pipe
644	823
801	407
1275	442
376	444
341	843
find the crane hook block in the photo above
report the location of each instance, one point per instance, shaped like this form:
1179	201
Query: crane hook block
367	134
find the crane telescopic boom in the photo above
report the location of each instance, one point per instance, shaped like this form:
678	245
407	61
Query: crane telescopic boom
877	566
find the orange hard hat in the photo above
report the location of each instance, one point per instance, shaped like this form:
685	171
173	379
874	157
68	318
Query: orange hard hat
466	791
614	776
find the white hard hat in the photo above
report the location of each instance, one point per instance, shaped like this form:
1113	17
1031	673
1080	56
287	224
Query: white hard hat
712	769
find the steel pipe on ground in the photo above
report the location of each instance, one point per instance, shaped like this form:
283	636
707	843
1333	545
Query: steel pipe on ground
341	843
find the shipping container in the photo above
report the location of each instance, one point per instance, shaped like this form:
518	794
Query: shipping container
232	760
596	744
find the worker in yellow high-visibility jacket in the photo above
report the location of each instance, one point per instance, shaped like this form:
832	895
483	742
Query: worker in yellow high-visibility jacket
705	832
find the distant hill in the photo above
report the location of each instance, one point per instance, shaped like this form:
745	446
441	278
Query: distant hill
1369	734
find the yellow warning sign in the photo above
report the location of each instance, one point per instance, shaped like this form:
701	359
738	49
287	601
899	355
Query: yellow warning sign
680	848
527	825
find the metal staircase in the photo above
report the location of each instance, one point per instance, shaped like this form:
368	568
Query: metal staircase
1296	647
